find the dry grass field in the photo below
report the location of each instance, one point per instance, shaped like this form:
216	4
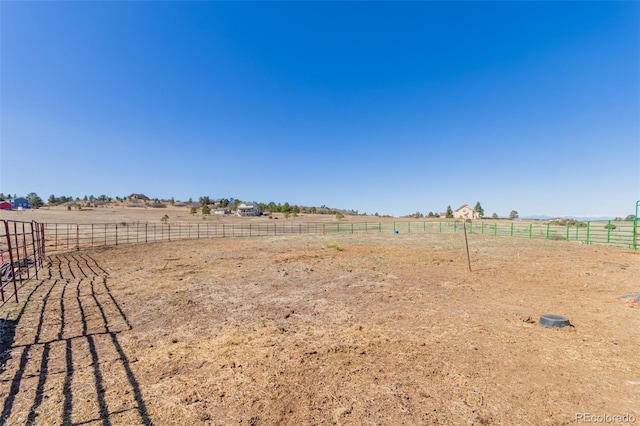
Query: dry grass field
117	214
359	329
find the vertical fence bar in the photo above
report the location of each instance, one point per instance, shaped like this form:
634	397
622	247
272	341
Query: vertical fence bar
531	231
512	229
548	224
35	254
609	231
567	237
635	233
588	230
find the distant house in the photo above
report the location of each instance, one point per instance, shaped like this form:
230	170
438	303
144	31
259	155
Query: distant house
248	209
20	203
466	212
225	210
5	205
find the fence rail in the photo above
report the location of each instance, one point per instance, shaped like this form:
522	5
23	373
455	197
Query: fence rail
63	237
22	253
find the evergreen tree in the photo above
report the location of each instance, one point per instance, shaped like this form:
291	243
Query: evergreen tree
449	213
478	208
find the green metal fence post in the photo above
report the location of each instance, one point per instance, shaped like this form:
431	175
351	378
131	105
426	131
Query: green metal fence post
482	228
495	229
577	228
455	226
567	231
588	230
548	224
531	231
352	228
440	223
609	232
512	229
635	233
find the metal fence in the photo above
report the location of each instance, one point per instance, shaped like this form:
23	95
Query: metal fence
619	233
22	253
23	244
73	236
63	237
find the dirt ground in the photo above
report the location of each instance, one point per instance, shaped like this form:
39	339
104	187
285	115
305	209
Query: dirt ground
361	329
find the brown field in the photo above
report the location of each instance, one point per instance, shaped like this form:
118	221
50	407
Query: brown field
377	329
117	214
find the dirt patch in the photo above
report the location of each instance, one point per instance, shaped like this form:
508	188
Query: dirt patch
363	329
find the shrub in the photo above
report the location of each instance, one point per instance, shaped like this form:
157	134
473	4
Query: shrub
335	246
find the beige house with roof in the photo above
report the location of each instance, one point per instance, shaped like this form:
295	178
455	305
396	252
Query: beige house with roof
466	212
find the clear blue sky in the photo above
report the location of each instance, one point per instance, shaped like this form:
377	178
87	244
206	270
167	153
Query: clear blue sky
388	107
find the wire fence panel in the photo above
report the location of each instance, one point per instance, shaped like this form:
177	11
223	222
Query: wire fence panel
63	237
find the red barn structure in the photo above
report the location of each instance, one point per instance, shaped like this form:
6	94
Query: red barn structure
5	205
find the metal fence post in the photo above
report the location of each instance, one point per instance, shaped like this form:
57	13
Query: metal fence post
609	231
548	224
635	234
567	231
116	234
531	231
588	230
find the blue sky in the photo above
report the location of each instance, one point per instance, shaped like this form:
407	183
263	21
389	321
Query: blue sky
388	107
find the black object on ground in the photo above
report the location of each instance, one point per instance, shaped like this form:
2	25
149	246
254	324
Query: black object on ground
551	321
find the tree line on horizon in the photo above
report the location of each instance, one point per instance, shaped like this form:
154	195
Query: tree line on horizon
206	202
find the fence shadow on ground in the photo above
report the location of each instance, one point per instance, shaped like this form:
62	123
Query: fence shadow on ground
66	365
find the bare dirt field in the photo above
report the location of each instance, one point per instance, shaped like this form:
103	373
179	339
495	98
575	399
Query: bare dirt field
366	329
